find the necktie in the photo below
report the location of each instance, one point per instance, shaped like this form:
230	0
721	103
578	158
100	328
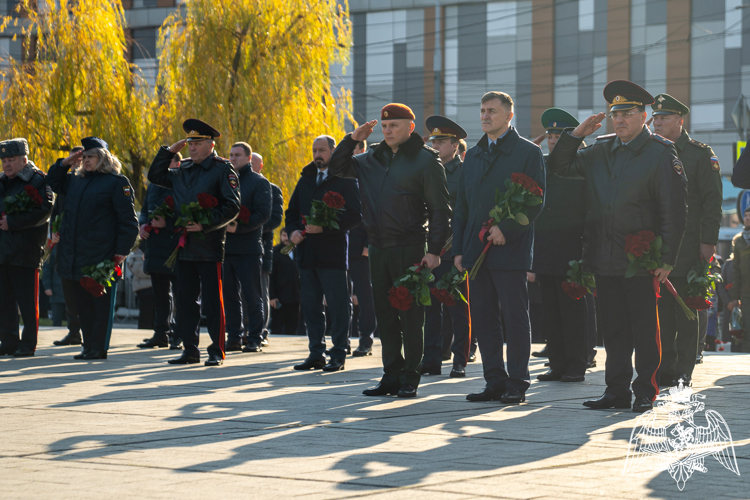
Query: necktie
320	178
492	148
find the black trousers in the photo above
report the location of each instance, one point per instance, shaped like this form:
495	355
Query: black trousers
435	331
145	308
315	283
490	291
359	273
204	281
96	313
19	289
58	313
164	286
591	325
628	321
285	320
71	308
243	298
679	335
565	324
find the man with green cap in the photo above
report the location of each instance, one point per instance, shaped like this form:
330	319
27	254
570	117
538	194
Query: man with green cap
680	336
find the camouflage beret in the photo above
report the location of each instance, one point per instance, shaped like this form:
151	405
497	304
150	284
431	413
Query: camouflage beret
14	147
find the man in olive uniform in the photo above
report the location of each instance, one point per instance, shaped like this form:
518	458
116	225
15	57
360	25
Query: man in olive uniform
22	238
199	265
445	134
680	336
402	186
634	182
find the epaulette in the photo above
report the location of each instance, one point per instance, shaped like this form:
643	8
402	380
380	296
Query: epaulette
662	140
606	138
431	149
220	158
699	144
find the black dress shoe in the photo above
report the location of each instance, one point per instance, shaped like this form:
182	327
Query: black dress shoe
591	361
23	352
430	370
310	364
458	371
175	343
512	397
185	359
233	346
642	404
684	379
487	394
572	378
381	390
407	391
699	358
69	339
252	347
550	375
264	342
83	353
214	360
540	354
334	365
95	354
154	342
362	351
6	348
606	401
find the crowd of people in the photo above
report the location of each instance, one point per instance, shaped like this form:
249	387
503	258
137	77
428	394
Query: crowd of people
206	247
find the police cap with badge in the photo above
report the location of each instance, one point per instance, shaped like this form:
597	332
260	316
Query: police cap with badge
89	143
555	120
441	127
198	130
14	147
665	104
623	95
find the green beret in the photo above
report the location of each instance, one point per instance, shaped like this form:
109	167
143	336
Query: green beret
14	147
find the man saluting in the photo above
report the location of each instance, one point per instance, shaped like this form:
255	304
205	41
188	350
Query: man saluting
402	185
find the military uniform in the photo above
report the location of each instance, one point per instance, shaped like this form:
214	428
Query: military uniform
199	265
679	335
21	248
630	187
437	314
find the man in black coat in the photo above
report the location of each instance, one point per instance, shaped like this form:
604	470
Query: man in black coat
634	182
277	214
159	241
558	240
22	238
502	279
284	290
323	257
244	254
199	265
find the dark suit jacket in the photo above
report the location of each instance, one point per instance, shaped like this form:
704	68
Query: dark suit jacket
284	282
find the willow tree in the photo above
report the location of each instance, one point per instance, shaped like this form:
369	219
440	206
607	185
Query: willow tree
74	80
258	71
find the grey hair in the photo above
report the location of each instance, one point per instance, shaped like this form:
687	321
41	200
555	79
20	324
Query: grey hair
108	163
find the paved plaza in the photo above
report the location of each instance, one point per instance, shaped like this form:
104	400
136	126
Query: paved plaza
134	427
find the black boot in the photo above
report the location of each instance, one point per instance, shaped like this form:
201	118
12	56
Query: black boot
69	339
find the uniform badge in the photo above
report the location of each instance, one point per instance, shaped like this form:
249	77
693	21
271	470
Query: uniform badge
677	166
715	164
233	181
127	191
48	192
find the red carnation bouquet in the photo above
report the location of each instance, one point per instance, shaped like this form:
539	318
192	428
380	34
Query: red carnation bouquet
165	211
99	276
701	285
579	282
25	201
323	213
644	251
448	290
54	229
521	192
244	216
412	286
198	212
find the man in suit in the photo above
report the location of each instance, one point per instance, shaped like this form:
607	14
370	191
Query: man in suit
501	281
323	259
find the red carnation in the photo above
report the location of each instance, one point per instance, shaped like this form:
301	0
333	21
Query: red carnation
400	298
244	216
91	286
574	290
334	199
169	201
34	194
207	201
698	303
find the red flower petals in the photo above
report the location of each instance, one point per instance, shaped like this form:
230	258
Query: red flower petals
207	201
443	296
244	216
91	286
334	199
574	290
169	201
527	182
400	298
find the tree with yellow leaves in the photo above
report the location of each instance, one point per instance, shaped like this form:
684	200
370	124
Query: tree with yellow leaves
74	80
258	71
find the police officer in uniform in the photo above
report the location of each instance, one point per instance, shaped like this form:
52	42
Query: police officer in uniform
558	240
634	182
22	239
199	265
680	336
445	134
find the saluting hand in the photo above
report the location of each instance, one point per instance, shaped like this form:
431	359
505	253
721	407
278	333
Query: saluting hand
589	126
539	140
73	158
363	131
177	146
